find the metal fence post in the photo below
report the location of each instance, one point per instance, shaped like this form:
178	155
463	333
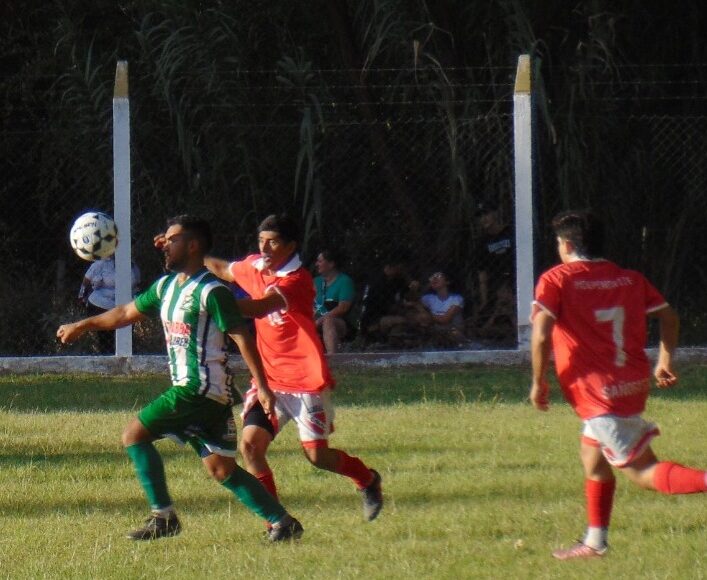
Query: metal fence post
121	202
522	142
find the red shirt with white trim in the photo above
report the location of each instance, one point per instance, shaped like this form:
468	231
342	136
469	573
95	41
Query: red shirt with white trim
288	342
600	334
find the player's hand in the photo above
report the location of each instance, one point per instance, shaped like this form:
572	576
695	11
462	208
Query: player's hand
267	400
69	333
159	241
540	395
665	377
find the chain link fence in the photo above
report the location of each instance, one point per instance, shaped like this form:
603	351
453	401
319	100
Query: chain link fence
393	169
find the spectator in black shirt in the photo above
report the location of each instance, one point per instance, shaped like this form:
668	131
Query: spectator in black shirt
495	260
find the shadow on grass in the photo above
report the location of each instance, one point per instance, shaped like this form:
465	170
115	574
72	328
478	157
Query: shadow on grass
384	387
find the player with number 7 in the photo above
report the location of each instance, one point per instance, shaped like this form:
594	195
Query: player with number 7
592	314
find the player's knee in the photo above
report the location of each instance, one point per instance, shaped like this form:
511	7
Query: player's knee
220	468
219	472
250	450
134	433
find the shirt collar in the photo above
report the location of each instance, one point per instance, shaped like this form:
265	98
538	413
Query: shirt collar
287	268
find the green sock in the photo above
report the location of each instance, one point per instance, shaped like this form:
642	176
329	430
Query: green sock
251	493
150	473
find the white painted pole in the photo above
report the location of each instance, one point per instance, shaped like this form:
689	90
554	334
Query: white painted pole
522	137
121	202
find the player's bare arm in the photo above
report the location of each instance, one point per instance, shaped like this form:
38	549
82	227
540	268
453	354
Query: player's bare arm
117	317
257	308
540	348
669	323
219	267
448	316
246	345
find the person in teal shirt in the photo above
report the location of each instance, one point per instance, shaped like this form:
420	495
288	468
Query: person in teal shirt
335	295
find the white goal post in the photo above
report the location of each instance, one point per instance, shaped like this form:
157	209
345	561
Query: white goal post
523	163
121	202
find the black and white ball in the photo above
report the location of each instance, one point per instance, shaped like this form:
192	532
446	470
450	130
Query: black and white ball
94	236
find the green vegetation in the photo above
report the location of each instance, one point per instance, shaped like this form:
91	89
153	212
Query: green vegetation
478	485
380	125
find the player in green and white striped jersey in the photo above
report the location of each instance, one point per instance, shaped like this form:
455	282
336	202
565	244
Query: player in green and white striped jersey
196	310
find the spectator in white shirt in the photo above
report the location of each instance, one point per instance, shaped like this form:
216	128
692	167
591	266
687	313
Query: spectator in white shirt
445	311
97	294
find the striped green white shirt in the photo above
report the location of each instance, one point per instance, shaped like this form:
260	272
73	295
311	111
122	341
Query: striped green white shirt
195	315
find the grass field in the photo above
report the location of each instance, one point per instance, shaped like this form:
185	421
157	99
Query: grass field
477	484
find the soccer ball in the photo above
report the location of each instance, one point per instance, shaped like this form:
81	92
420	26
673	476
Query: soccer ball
94	236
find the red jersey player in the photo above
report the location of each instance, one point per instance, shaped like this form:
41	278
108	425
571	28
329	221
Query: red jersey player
282	295
592	314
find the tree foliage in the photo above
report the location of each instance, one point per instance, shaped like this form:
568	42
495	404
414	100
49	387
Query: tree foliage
318	107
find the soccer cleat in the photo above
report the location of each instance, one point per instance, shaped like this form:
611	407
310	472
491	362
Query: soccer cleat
291	529
580	550
373	497
157	527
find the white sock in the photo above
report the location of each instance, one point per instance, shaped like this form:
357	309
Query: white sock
596	537
164	512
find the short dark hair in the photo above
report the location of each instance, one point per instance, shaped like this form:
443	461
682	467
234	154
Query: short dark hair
332	255
283	224
583	228
196	227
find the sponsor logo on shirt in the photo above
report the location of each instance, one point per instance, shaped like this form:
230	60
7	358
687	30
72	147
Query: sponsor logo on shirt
619	390
187	303
177	333
603	284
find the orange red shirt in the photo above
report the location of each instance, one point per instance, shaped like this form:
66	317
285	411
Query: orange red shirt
288	342
600	334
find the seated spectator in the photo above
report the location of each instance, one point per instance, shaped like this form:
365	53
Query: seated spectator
387	300
444	316
495	260
334	297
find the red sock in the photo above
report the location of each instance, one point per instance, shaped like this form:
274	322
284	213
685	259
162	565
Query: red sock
672	478
354	468
268	481
600	500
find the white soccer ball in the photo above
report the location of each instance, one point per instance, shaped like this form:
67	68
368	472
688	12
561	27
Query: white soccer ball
94	236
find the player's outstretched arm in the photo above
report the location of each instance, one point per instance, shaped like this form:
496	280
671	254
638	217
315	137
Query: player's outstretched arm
219	268
669	323
540	348
245	343
260	307
114	318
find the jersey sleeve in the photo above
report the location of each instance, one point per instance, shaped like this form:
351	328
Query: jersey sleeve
222	307
297	291
347	292
654	299
148	302
92	270
547	296
241	271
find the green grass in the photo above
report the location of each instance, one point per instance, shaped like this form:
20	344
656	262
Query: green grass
477	484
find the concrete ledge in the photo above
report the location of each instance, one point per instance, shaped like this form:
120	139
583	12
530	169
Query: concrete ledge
111	365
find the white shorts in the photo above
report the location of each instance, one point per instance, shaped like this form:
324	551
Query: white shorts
621	439
312	412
